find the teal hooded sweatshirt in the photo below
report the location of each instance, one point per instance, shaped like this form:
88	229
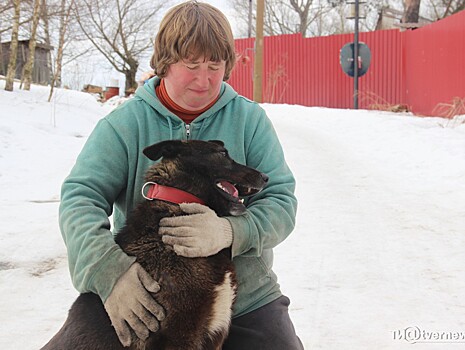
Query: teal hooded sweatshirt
109	174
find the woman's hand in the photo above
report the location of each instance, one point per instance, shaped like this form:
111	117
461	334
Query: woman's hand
201	233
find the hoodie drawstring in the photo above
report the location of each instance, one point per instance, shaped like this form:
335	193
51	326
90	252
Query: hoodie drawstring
202	126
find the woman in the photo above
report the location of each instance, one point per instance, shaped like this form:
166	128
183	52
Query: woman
187	99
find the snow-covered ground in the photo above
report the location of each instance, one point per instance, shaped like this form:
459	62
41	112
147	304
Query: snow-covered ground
376	260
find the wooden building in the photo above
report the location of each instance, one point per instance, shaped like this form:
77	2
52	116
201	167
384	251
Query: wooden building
41	73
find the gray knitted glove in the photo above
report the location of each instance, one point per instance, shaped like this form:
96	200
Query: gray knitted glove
201	233
130	304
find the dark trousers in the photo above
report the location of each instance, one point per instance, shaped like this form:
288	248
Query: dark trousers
267	328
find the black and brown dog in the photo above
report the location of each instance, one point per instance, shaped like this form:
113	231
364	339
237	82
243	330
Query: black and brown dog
197	293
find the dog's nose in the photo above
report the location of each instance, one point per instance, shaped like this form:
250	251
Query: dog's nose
265	177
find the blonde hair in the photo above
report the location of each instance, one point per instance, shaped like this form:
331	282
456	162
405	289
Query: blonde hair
192	30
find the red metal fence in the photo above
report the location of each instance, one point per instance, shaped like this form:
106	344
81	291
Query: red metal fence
420	68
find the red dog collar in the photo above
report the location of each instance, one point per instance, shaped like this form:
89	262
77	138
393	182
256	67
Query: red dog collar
169	194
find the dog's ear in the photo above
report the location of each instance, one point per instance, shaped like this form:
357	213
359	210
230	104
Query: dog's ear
167	149
218	142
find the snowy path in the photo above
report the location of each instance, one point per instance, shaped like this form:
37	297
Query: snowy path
375	257
378	245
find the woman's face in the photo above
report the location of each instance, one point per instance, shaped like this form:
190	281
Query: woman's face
193	85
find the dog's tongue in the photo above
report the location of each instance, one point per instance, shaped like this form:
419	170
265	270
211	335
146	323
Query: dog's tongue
229	187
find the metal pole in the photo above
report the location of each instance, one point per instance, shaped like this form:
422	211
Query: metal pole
356	55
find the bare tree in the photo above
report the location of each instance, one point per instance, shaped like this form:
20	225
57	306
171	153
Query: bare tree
10	76
44	16
6	19
120	30
411	11
65	10
302	8
5	7
438	9
284	17
279	18
29	66
453	7
57	18
308	17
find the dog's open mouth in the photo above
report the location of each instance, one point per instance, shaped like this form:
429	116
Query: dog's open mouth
234	191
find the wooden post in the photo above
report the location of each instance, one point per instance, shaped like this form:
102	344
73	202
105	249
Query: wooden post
250	20
258	63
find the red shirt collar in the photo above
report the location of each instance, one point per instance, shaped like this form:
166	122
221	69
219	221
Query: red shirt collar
186	115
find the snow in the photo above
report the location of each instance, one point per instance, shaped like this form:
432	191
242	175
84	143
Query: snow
376	255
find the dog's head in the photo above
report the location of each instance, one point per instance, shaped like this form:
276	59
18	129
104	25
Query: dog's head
204	169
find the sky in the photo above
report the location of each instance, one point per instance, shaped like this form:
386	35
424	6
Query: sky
376	258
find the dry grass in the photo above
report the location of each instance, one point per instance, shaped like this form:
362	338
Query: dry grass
376	102
454	112
450	110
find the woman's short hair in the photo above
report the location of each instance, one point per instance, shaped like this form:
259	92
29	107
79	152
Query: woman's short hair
192	30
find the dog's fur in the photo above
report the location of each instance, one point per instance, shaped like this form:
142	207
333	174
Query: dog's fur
197	293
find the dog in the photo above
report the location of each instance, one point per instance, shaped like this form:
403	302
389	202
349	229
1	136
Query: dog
196	293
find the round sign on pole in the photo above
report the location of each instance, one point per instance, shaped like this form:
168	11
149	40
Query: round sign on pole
347	59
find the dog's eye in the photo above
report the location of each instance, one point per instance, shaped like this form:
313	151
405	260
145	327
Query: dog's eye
224	153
